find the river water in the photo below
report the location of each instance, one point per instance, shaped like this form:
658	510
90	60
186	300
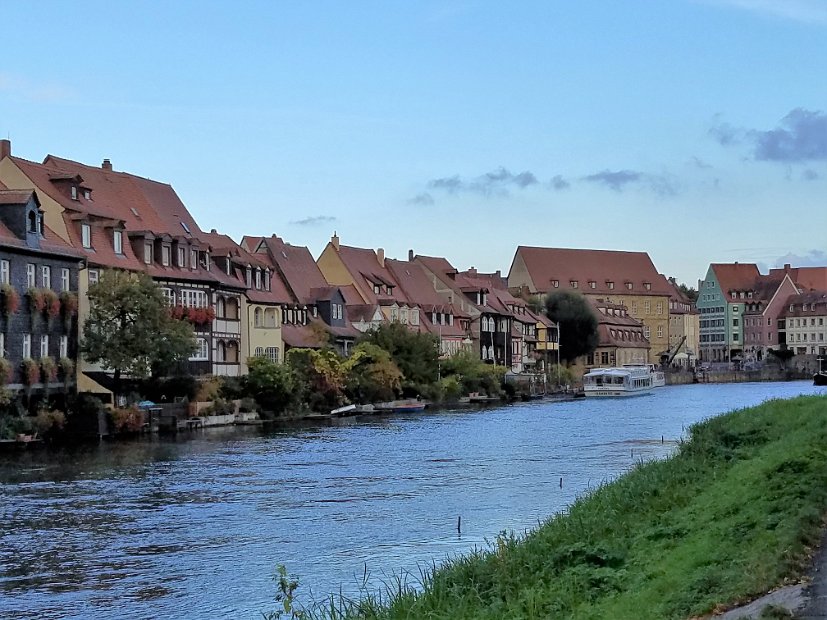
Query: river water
195	527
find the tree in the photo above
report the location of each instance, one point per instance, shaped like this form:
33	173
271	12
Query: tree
273	386
578	324
415	354
129	329
690	292
371	374
320	375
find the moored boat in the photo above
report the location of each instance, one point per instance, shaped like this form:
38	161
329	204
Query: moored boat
608	382
658	378
820	378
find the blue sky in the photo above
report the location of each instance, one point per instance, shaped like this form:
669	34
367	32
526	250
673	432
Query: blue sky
693	130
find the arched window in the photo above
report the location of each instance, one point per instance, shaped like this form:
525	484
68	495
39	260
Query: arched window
221	351
231	352
258	317
232	309
221	308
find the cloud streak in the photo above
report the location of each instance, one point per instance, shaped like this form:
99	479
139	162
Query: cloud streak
619	180
423	199
801	136
497	182
314	220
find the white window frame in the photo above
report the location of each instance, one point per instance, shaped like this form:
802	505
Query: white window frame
148	253
27	346
166	255
86	235
182	257
93	276
2	344
44	345
65	282
64	346
31	278
45	276
202	351
117	241
5	271
272	354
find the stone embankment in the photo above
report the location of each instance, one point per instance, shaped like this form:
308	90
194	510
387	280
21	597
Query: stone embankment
735	376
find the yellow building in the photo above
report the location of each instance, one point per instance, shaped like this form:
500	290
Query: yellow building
622	278
684	328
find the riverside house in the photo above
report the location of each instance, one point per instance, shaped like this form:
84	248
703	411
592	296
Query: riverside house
123	221
763	327
316	312
38	298
625	278
684	326
805	315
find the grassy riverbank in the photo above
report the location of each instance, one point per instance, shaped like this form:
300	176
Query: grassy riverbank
728	517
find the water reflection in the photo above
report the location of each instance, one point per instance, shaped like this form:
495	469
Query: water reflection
152	528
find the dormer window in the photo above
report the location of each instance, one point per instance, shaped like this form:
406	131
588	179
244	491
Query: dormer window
87	194
377	289
182	257
193	259
86	235
249	278
629	286
148	253
611	285
166	255
32	222
573	283
555	283
592	284
117	240
791	307
648	286
228	267
258	280
74	192
267	280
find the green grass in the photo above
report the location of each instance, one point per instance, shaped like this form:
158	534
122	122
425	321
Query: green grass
727	518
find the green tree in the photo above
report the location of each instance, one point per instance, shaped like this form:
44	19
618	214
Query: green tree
474	375
320	375
273	386
690	292
129	329
371	374
416	355
578	324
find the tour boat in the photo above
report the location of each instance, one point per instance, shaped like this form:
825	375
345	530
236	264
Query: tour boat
607	382
658	378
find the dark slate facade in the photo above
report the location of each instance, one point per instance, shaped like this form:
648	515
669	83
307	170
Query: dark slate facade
33	257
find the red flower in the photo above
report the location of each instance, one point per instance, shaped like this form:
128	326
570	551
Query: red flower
54	307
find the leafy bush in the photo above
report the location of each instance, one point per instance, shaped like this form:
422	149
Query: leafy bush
451	389
220	407
49	421
247	405
273	386
126	420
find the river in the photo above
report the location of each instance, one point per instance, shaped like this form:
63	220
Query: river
194	527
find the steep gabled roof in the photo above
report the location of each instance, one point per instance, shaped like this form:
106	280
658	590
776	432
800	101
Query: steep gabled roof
598	266
295	265
806	278
816	302
735	277
366	269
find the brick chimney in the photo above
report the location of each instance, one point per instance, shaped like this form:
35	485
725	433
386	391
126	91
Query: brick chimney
106	165
380	256
410	256
472	271
787	267
5	149
334	240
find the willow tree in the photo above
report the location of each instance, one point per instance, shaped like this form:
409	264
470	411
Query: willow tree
129	329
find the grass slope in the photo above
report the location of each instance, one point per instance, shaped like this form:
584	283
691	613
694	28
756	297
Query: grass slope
728	517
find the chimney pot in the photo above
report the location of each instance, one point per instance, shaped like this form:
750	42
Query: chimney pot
334	240
5	149
410	255
106	165
213	231
380	256
787	267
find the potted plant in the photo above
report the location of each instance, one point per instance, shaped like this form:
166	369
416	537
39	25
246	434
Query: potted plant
6	371
10	300
52	304
66	370
69	306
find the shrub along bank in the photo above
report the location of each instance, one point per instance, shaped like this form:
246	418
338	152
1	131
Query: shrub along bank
731	515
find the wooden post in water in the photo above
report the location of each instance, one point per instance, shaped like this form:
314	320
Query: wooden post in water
459	524
561	483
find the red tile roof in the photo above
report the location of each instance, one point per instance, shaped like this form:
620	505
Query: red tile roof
295	265
806	278
618	329
735	277
816	302
598	266
366	270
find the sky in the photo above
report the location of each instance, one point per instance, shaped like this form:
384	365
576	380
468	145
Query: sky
694	130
